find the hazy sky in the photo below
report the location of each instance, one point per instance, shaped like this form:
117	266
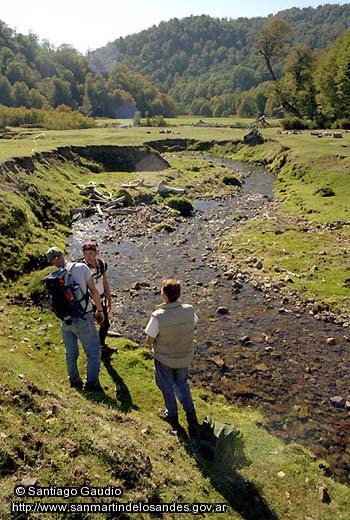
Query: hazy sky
89	24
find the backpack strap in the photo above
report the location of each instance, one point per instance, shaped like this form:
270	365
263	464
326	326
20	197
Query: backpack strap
83	301
101	269
102	265
68	276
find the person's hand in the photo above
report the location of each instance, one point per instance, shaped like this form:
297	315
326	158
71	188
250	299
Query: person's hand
99	315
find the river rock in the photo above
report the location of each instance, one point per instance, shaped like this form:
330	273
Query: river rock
337	401
323	494
219	362
222	310
261	367
244	340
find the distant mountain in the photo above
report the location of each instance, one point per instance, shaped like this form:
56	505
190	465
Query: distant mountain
202	57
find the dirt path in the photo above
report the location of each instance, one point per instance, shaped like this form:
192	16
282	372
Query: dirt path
251	347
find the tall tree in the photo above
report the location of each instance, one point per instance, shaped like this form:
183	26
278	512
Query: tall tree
96	93
333	79
298	82
20	95
62	93
272	44
5	91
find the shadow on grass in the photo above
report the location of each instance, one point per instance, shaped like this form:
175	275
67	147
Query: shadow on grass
123	395
123	400
219	455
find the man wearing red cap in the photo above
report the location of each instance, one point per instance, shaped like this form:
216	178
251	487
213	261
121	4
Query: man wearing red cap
98	268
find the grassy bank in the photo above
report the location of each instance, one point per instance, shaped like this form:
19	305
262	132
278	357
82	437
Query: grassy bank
54	436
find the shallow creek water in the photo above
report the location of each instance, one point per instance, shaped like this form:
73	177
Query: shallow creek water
260	353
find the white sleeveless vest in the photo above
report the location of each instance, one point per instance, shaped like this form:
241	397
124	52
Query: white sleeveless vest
174	344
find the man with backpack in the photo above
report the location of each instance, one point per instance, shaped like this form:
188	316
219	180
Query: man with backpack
98	268
69	287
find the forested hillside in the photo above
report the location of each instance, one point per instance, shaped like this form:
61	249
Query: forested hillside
202	57
40	76
197	65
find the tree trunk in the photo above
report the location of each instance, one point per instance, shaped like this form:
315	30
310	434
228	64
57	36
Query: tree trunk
285	104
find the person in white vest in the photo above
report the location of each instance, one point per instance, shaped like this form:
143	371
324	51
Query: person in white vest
170	331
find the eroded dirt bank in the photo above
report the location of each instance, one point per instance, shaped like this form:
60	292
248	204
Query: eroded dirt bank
253	347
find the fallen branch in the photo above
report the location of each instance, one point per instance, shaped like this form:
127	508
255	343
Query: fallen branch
99	210
163	188
114	202
120	211
92	192
133	184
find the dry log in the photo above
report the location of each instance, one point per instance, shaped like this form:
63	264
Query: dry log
99	210
97	200
86	212
114	202
120	211
163	188
133	184
93	193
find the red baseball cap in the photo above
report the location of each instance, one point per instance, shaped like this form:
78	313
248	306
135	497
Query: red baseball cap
89	245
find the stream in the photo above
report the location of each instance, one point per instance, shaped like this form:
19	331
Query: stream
250	347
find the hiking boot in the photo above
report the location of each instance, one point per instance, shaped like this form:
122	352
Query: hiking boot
172	420
106	352
193	425
89	387
79	384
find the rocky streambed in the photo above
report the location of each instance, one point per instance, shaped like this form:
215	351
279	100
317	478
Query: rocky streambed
253	346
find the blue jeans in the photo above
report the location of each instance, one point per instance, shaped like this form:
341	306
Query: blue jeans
85	331
173	384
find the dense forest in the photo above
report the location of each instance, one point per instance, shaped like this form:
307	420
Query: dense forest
295	63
